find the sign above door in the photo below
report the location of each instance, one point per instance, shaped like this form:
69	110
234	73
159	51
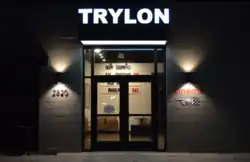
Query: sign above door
131	26
143	16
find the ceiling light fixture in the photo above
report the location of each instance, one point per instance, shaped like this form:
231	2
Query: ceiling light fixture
97	50
101	56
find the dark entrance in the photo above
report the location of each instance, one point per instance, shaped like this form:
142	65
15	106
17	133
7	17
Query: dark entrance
118	129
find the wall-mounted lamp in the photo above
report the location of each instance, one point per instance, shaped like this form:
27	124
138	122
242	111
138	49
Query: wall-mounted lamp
189	77
60	61
189	58
60	64
58	76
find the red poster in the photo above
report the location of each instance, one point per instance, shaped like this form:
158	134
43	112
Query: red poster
135	90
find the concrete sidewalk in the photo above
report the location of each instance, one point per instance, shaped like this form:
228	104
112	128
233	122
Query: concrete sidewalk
130	157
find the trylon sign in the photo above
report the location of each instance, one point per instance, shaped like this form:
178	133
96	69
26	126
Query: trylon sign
143	16
128	26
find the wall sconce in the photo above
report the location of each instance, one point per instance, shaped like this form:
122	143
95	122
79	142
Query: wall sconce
58	77
189	77
59	66
188	59
60	62
188	67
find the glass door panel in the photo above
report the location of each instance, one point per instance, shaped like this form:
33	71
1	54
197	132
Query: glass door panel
108	111
140	129
140	112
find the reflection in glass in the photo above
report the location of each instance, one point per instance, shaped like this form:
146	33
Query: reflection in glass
87	113
108	128
140	128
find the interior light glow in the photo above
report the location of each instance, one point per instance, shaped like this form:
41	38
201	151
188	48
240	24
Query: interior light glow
97	50
60	64
128	42
189	59
104	60
189	67
60	86
188	86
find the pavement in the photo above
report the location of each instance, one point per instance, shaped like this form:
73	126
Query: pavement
130	157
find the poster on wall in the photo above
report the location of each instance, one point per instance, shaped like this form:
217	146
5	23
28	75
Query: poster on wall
188	96
184	101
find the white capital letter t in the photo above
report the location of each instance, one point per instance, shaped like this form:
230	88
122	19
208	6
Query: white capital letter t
85	13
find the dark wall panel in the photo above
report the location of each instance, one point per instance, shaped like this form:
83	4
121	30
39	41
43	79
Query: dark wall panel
60	118
220	125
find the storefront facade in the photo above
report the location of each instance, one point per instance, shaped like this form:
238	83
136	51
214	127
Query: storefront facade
121	86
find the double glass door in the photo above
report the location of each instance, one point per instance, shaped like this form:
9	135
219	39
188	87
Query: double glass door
123	113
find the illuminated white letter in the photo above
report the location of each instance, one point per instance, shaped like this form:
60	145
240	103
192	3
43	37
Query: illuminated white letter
140	16
85	13
127	19
100	14
159	15
115	15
